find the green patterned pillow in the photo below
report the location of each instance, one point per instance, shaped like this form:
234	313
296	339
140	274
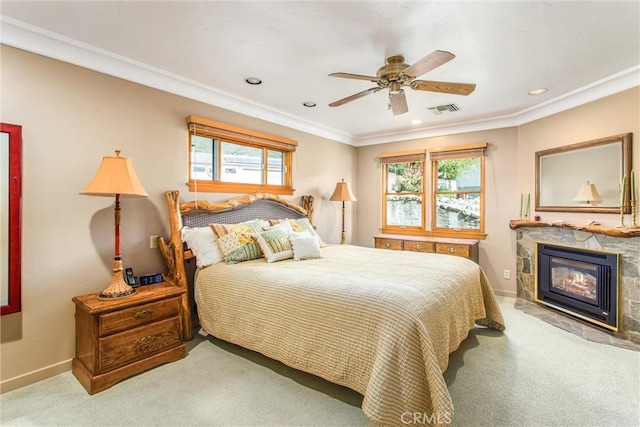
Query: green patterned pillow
237	241
275	244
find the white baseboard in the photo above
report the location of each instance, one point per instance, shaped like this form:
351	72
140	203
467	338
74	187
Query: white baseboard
505	293
34	376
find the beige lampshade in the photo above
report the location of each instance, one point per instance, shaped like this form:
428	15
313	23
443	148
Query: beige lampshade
587	193
115	176
342	193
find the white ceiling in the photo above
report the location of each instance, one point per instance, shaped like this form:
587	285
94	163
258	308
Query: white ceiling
204	50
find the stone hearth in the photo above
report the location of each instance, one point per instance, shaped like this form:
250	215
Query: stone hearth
629	278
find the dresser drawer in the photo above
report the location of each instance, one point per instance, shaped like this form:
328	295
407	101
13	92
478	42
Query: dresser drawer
418	246
392	244
117	321
121	349
453	249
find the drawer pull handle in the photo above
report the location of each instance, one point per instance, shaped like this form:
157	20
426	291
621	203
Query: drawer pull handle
418	247
452	251
145	340
144	313
387	245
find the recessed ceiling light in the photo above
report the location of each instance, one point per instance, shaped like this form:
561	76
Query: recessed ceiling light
309	104
253	80
416	121
538	91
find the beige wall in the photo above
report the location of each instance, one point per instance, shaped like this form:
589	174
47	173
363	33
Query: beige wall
510	172
613	115
71	118
497	252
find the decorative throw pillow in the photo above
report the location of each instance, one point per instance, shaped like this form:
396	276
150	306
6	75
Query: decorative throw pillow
274	242
204	245
302	224
237	242
305	246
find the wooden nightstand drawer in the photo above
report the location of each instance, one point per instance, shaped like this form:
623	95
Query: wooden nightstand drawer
418	246
392	244
126	347
117	321
453	249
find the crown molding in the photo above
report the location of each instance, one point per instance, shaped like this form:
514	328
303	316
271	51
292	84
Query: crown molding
52	45
619	82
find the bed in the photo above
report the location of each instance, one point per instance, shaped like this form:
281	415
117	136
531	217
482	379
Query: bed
382	323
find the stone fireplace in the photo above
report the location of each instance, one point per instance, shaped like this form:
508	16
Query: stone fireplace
625	244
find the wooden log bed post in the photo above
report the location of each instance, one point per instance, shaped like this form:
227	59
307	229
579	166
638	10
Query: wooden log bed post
173	254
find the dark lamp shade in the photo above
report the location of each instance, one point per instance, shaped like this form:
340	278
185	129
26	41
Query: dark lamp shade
342	193
115	176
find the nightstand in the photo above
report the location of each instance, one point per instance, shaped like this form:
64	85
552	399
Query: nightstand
118	338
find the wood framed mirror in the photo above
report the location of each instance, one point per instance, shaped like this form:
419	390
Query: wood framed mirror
10	213
564	174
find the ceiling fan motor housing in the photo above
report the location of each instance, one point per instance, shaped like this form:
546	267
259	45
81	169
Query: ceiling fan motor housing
392	71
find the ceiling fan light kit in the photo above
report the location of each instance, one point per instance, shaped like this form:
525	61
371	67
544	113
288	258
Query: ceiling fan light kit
395	74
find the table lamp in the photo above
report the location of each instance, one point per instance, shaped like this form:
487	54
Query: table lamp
116	177
342	193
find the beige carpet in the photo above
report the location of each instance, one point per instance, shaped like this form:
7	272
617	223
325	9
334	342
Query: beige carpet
534	374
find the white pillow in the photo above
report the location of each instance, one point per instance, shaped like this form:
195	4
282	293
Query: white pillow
204	245
305	246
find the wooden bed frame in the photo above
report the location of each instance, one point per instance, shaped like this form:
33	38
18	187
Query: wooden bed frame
201	213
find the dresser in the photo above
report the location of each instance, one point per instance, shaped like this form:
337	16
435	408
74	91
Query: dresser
459	247
118	338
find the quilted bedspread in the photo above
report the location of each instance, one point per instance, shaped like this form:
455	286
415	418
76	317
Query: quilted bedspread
380	322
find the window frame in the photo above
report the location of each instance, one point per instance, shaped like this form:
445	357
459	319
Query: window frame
412	156
451	153
222	132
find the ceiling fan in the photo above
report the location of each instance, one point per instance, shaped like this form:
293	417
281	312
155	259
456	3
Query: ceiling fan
396	74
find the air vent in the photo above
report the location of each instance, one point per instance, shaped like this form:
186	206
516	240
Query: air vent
447	108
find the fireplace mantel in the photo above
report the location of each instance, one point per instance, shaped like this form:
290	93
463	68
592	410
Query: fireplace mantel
599	229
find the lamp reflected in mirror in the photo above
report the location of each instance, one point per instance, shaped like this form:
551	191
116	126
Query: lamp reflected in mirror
588	195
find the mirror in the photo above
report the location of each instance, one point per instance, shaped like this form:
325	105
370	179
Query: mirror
11	201
567	176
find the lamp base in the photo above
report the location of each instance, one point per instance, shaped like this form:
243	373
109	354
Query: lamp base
118	288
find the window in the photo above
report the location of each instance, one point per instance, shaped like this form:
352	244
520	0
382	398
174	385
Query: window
229	159
457	208
403	192
456	198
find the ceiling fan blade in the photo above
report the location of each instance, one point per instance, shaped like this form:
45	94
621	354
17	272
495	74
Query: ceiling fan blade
443	87
398	103
355	76
354	97
428	63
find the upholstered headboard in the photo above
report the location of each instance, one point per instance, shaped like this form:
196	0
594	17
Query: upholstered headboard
201	213
259	208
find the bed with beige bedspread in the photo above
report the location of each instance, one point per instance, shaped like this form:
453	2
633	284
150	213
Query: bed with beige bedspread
380	322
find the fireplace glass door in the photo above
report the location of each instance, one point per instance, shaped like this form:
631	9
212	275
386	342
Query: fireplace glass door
575	279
